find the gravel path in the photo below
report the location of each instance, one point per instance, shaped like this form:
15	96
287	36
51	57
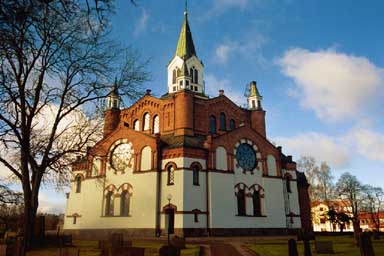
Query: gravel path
223	250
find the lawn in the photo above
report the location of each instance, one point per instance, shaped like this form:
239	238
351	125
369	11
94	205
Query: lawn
342	246
89	248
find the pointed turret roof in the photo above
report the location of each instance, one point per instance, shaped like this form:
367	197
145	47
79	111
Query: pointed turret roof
254	91
115	90
185	46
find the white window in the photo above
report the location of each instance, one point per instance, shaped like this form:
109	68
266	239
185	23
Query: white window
156	124
147	119
136	125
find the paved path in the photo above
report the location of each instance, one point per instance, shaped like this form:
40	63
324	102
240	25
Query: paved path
224	250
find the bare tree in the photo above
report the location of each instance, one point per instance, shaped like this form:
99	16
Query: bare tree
325	185
374	204
9	197
307	164
57	64
353	192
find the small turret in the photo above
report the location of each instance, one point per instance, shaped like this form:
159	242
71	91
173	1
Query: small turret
113	98
112	111
256	111
254	97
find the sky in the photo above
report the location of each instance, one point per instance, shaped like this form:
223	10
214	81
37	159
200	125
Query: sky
319	66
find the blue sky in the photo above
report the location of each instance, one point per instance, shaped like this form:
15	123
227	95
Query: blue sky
319	66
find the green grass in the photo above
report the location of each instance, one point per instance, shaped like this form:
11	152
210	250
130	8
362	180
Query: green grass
342	246
89	248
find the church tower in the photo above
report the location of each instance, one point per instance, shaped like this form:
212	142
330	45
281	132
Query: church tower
185	70
254	105
112	111
254	97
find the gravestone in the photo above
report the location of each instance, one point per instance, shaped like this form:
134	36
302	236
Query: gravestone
3	250
68	251
366	248
292	248
324	247
39	227
178	242
18	248
65	240
307	248
166	250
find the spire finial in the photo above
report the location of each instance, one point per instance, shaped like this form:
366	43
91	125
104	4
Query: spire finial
186	8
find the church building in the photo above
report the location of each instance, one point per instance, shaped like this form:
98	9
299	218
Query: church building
202	164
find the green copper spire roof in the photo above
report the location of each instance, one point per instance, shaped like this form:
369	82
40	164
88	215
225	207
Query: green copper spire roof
185	46
254	91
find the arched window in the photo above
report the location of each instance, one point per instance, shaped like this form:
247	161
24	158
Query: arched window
223	125
125	199
256	203
241	202
191	74
196	80
109	204
212	124
170	175
232	124
288	183
195	173
146	121
156	124
174	75
78	184
136	125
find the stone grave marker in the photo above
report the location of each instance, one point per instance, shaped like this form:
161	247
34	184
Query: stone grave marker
169	251
366	248
178	242
3	250
292	248
324	247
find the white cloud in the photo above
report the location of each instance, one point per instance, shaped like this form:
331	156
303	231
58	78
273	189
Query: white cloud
247	48
367	143
322	147
335	85
222	52
213	85
220	6
142	23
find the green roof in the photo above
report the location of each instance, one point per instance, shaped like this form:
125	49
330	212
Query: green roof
254	91
185	46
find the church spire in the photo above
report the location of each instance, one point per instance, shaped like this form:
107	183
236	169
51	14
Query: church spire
185	46
185	70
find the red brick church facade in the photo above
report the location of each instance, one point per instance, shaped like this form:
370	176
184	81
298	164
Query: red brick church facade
187	124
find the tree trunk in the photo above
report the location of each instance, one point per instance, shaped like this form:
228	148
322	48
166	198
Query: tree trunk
356	232
30	211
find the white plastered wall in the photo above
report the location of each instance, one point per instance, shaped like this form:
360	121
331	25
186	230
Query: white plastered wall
185	196
89	203
293	198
